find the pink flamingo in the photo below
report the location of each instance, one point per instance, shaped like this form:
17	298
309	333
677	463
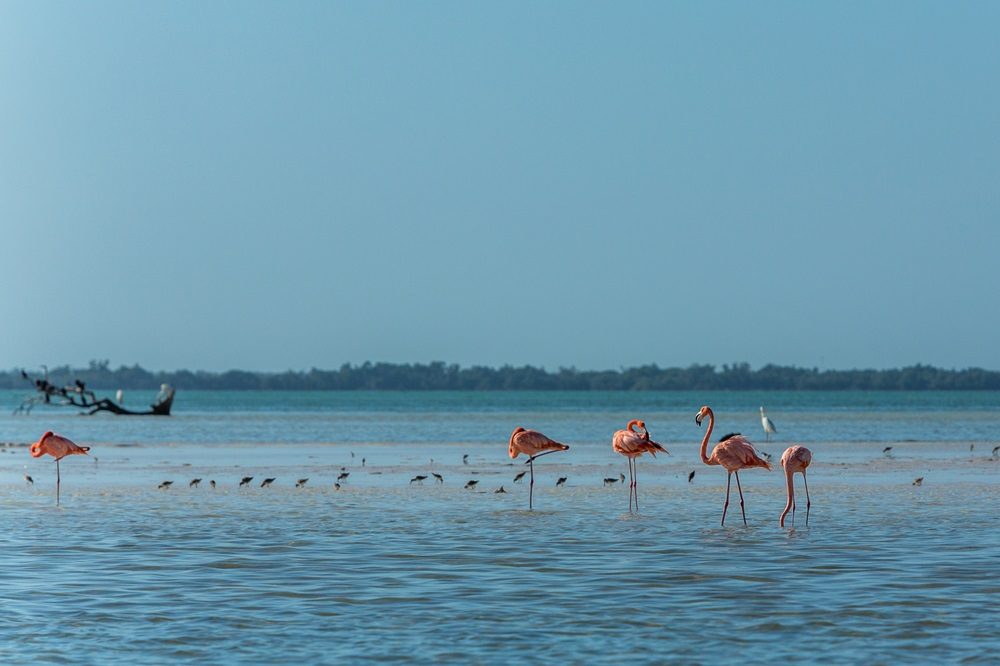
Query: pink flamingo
632	444
532	444
734	452
57	447
795	459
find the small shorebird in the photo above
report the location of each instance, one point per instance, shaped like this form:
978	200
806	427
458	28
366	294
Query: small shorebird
691	476
465	459
437	477
499	490
30	480
768	426
301	482
472	483
532	444
194	483
561	481
57	447
519	476
733	452
362	462
887	451
212	483
610	481
419	478
919	481
165	485
336	486
245	481
343	476
795	459
266	483
996	451
632	444
621	478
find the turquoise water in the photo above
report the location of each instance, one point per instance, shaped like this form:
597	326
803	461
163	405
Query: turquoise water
385	570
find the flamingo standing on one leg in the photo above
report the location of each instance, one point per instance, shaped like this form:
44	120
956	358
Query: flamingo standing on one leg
532	444
734	452
57	447
795	459
633	444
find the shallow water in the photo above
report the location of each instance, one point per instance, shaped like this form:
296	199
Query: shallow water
385	570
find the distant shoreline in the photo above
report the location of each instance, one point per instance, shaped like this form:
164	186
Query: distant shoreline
438	376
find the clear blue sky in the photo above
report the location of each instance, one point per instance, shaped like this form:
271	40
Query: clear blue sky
285	185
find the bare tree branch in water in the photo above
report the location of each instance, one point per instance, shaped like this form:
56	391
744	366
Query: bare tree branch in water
78	395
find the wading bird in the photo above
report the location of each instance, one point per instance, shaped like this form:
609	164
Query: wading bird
768	426
519	476
795	459
57	447
691	476
887	451
194	483
165	485
632	444
610	481
266	483
301	483
561	481
212	483
29	480
465	459
919	481
733	452
419	478
343	476
245	481
471	484
499	491
532	444
996	451
437	477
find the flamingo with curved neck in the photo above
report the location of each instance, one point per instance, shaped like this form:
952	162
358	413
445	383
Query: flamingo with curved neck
632	444
795	459
734	452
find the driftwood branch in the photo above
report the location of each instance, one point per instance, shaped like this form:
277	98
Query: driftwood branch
79	396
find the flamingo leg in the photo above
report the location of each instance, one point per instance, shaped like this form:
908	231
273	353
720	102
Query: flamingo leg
808	503
531	488
741	497
725	507
57	481
629	484
635	484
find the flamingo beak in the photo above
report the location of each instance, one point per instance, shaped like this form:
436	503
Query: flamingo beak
697	419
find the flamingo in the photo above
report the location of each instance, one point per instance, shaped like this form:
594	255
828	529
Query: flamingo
768	424
532	444
633	444
795	459
57	447
734	452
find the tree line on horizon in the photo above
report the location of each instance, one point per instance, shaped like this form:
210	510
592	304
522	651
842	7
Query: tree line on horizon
439	376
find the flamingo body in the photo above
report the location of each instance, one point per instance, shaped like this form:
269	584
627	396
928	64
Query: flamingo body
531	443
56	446
795	459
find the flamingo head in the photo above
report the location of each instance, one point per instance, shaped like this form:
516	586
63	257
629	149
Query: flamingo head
636	422
38	448
702	413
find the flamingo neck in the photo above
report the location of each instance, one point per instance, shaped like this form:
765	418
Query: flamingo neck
791	495
708	434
